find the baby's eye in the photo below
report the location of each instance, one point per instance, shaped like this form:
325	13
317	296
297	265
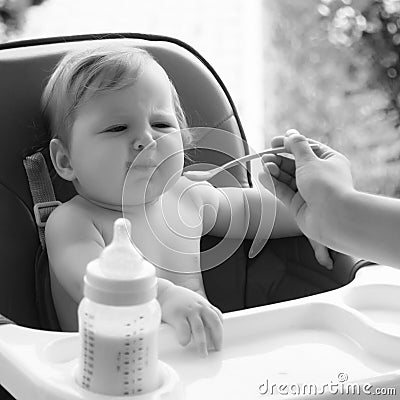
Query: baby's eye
162	125
116	128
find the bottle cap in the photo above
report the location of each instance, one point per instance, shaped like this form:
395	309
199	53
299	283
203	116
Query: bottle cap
120	276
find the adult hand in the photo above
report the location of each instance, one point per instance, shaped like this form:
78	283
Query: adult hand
310	184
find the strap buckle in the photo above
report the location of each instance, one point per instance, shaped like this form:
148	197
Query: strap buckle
41	211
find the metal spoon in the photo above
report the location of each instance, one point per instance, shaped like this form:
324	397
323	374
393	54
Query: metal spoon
198	176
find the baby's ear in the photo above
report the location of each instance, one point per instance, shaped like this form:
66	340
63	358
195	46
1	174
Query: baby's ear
61	161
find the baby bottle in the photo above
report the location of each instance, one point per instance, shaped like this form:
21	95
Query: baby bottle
119	318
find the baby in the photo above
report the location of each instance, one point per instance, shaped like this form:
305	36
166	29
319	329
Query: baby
115	121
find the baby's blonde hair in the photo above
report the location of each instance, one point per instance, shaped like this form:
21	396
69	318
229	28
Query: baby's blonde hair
83	73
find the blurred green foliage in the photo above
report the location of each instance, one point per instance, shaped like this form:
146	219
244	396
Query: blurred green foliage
329	90
371	28
12	14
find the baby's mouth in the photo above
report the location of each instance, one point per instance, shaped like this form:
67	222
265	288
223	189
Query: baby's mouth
150	165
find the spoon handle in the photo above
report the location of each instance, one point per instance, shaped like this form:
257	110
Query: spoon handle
274	150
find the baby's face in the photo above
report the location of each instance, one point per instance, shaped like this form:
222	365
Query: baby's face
128	137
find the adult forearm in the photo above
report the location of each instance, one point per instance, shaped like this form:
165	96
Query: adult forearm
365	226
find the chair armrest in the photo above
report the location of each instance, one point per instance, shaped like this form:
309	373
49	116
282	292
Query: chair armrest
4	320
346	266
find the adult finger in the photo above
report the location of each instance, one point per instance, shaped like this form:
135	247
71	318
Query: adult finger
323	151
299	146
278	141
283	162
272	168
282	191
323	257
281	175
297	206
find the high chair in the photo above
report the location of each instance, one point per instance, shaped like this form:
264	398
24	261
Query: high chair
284	270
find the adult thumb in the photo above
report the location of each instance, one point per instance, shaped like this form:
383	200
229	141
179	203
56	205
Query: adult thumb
298	145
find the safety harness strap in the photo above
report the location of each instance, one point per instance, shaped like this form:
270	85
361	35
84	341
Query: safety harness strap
44	199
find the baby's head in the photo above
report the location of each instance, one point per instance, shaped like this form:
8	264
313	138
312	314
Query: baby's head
109	107
82	74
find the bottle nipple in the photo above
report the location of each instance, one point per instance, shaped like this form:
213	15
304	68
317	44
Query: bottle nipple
120	259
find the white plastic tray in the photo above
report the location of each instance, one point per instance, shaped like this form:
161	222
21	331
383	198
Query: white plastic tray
341	344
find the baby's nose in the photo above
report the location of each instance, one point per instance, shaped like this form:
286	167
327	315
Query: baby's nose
143	141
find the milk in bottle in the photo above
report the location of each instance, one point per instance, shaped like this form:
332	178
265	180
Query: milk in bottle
119	318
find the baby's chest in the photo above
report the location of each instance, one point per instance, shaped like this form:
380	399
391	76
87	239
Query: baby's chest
168	235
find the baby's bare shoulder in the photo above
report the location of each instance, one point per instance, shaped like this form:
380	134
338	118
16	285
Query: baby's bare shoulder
72	218
69	211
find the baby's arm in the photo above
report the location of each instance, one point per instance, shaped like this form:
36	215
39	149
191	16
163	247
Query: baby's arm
238	212
72	241
191	315
242	213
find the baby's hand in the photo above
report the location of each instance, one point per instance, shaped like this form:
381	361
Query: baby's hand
321	254
192	315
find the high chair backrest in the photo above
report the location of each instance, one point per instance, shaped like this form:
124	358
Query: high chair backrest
24	69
